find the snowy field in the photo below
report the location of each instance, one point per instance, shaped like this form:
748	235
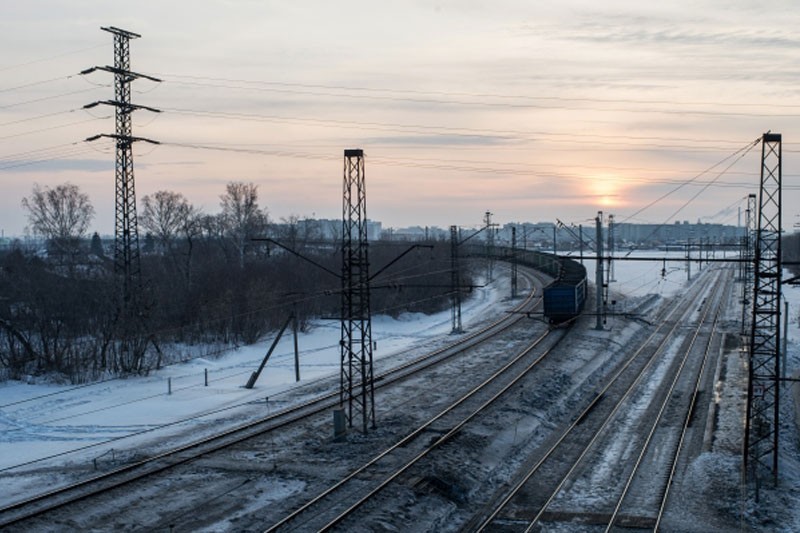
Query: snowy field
47	426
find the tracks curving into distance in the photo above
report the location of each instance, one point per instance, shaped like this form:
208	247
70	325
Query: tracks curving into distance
632	404
40	504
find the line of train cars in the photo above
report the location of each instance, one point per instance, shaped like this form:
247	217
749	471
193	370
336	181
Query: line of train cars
565	297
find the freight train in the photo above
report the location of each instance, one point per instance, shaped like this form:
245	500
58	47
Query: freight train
565	297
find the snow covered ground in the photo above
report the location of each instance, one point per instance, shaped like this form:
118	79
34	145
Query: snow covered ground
42	425
49	426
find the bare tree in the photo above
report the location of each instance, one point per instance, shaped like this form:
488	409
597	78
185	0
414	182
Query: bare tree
167	215
241	216
61	214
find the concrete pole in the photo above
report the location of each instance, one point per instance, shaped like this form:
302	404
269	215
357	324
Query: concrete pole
785	337
555	246
296	350
689	259
598	278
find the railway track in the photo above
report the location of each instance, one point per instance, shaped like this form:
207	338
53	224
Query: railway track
37	506
641	499
571	479
337	504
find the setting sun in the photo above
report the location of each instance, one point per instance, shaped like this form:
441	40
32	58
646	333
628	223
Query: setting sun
606	189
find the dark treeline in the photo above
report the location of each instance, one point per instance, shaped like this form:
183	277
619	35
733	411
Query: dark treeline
60	314
206	280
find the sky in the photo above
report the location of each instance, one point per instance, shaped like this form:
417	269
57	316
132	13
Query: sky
534	111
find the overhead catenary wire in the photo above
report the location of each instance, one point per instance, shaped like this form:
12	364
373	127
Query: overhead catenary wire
312	90
739	154
465	132
378	160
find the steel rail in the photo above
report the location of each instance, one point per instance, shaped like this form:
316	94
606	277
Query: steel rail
521	483
612	416
667	400
92	486
685	429
447	436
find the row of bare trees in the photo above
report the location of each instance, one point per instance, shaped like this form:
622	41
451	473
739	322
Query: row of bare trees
205	281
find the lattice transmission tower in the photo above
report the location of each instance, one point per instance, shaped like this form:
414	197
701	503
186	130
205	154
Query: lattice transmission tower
357	392
763	395
127	264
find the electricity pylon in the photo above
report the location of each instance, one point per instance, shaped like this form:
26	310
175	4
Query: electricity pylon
127	264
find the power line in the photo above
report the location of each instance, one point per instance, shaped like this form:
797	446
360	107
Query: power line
491	104
667	102
378	160
55	157
744	149
50	58
37	117
53	127
253	148
463	131
741	153
38	150
53	97
35	83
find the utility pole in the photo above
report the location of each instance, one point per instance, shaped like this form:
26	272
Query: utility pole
598	279
747	276
513	262
580	239
688	259
785	337
357	389
487	220
611	278
762	423
524	237
127	264
555	244
455	278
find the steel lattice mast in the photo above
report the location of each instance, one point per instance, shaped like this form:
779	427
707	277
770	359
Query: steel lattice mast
357	393
763	395
126	233
127	264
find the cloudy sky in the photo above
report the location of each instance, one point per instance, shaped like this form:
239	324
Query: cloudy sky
534	110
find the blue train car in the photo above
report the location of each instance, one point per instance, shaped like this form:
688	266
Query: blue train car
565	298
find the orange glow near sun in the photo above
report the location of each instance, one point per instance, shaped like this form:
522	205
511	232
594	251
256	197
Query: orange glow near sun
606	190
